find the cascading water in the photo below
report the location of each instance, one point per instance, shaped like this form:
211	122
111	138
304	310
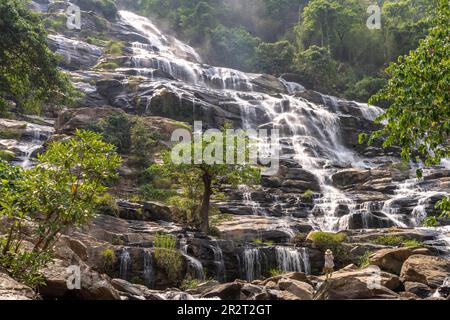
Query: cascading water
149	271
194	266
125	261
310	133
35	135
292	259
247	197
219	262
251	264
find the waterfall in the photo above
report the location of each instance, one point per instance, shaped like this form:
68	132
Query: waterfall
251	264
247	197
149	271
291	259
36	135
195	267
125	261
219	262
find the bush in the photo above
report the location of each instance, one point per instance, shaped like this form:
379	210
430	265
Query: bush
116	129
167	256
108	260
318	69
275	272
149	192
395	240
7	155
308	194
364	260
263	242
365	88
57	194
106	204
327	240
114	48
107	65
189	283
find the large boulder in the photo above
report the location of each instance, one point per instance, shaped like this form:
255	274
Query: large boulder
10	289
346	288
428	270
93	286
349	177
302	290
350	283
392	259
226	291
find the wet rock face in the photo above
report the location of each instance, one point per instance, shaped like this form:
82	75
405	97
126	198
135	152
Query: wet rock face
75	54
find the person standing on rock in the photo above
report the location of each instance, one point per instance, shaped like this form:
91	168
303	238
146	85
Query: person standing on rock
329	264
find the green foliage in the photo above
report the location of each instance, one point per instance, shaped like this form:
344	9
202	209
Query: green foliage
275	272
107	8
106	204
327	240
396	240
364	260
419	96
365	88
60	192
6	155
149	192
28	69
318	68
198	180
274	58
114	48
167	256
109	65
116	129
108	257
190	283
233	47
143	142
308	194
263	242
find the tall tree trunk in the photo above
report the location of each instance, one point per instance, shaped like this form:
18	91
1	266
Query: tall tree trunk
204	211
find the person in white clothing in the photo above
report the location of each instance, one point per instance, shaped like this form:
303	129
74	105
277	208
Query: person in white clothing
329	264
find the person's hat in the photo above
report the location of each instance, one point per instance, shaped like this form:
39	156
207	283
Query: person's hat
328	252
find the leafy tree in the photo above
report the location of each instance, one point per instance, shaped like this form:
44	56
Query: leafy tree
328	23
201	180
116	129
233	47
274	58
318	68
28	69
419	96
60	192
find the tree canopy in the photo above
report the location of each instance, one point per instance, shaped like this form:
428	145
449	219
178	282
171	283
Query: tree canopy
28	69
418	94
